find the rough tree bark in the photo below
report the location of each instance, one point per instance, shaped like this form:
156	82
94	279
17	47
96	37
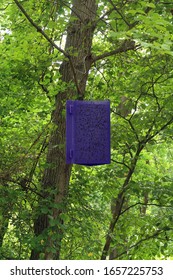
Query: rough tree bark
73	70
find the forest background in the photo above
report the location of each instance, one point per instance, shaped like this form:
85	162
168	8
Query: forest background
53	51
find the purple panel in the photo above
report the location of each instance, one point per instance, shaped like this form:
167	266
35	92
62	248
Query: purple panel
88	132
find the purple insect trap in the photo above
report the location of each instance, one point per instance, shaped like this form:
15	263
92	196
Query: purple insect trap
88	132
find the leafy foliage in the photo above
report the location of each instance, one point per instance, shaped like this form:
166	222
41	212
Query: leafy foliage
132	66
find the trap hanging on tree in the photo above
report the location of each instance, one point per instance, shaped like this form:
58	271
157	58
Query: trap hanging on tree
88	132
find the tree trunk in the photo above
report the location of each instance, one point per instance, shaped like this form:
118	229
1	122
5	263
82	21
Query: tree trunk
117	204
124	108
74	73
3	227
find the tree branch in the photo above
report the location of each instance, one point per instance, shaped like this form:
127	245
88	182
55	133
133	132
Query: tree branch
130	124
107	13
75	78
148	204
127	45
39	29
119	162
121	15
150	137
117	210
3	9
158	232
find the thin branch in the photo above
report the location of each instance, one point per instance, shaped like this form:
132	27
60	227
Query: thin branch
133	129
35	163
44	88
149	137
107	13
121	15
129	149
120	202
72	10
126	46
75	78
122	163
39	29
148	204
116	214
38	138
24	183
3	9
158	232
130	123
